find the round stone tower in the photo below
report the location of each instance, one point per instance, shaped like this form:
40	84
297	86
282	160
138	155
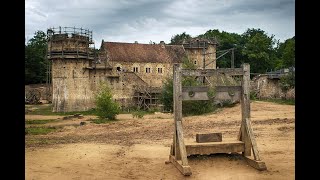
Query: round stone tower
71	56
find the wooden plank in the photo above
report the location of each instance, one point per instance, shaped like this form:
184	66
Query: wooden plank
182	146
245	107
209	137
214	147
259	165
252	139
195	88
193	96
211	72
228	88
185	170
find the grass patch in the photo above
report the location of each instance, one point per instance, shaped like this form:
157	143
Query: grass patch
101	121
280	101
39	121
47	110
39	130
138	114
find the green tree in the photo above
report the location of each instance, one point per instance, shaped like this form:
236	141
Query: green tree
106	106
179	38
286	53
259	50
226	41
35	59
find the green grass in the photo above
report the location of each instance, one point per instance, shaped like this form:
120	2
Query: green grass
39	121
280	101
39	130
47	110
101	121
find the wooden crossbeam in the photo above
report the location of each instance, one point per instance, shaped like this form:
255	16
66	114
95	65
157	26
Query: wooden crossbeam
211	72
228	88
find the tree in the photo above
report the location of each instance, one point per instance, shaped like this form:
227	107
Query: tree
259	50
286	53
35	59
106	106
226	41
179	38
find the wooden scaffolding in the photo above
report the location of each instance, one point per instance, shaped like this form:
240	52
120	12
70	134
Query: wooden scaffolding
246	141
146	97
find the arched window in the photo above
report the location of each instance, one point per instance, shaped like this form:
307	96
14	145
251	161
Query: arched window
148	68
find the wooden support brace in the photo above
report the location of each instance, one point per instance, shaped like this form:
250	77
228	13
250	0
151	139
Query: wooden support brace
259	165
252	139
182	147
184	169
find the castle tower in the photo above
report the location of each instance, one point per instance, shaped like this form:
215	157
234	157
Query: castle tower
71	57
201	52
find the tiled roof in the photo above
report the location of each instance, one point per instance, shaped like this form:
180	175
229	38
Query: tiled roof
134	52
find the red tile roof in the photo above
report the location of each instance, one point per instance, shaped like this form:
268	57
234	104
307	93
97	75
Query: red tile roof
134	52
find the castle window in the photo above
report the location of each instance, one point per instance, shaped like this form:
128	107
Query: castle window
118	68
135	69
147	70
159	70
195	62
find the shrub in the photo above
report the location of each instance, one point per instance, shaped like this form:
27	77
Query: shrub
106	106
287	81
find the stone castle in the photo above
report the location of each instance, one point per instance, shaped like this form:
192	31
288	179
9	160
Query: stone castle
135	72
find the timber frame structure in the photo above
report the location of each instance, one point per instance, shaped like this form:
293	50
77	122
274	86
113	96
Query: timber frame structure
246	141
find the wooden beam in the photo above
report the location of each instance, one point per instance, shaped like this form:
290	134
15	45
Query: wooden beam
211	72
210	137
228	88
177	106
194	96
245	107
259	165
185	170
195	88
214	147
182	146
252	139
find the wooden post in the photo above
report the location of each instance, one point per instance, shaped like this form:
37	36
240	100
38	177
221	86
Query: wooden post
245	108
177	106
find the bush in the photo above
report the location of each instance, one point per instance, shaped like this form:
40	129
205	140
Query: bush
106	106
287	81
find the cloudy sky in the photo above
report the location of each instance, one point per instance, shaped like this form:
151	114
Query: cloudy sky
159	20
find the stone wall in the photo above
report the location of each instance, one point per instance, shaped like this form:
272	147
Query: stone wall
155	77
266	88
70	86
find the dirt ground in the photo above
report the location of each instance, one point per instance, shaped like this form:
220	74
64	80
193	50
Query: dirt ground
134	148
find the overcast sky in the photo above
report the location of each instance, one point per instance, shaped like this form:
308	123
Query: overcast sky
159	20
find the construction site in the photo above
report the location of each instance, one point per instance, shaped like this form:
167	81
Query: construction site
248	140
